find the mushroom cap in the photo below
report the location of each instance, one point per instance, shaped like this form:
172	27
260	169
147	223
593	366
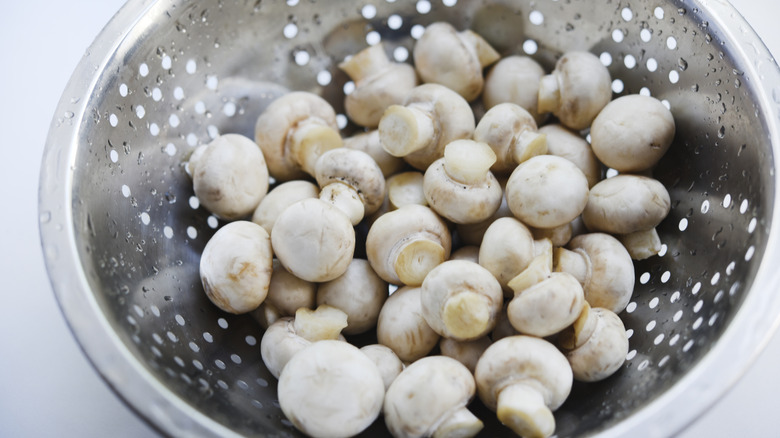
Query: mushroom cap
548	307
514	79
357	170
280	343
236	266
425	394
287	293
390	366
461	203
441	56
605	350
499	128
585	88
281	197
547	191
279	119
359	292
369	143
563	142
507	249
331	389
230	176
468	252
632	133
611	279
472	234
314	240
402	328
465	352
625	204
523	359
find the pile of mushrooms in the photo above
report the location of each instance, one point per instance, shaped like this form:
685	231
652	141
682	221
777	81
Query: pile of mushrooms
498	257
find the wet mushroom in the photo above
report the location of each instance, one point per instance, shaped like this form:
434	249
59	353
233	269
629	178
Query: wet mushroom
514	79
402	328
512	133
359	292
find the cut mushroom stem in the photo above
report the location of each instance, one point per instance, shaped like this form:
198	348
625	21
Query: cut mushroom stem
641	244
346	199
406	129
367	62
325	322
511	132
521	408
601	349
405	188
468	161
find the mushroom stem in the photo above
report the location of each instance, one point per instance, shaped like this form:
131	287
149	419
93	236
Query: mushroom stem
485	53
309	141
415	258
406	129
346	199
528	144
461	423
549	94
576	263
326	322
365	63
467	315
521	408
641	244
536	272
578	333
468	162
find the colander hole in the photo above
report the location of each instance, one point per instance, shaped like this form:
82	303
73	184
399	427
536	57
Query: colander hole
113	120
653	303
207	337
530	47
644	278
423	6
618	35
229	109
659	13
212	222
194	347
687	346
154	129
663	361
324	77
752	225
192	139
191	67
610	172
256	404
629	333
250	340
179	320
197	364
417	31
401	54
373	38
395	22
743	206
713	319
178	93
675	297
663	250
749	253
606	59
143	69
665	276
627	14
629	61
184	377
123	90
715	279
617	86
262	382
132	320
243	385
213	131
156	351
174	121
536	17
341	121
302	57
220	364
696	288
166	62
658	339
645	35
368	12
179	361
643	365
145	219
194	202
671	43
222	322
705	206
200	107
718	297
673	340
683	225
292	2
631	307
449	3
156	94
349	87
652	64
697	307
696	324
726	201
677	316
235	358
631	354
126	191
168	232
730	268
674	77
222	384
650	326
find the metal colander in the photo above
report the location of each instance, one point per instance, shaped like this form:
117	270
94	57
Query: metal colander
122	232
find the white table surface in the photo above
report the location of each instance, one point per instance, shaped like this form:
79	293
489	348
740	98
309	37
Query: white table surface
47	387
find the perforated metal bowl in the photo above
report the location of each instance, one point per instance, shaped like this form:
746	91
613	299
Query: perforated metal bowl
122	232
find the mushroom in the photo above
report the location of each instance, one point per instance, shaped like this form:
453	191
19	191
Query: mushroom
547	191
602	266
461	300
524	379
598	351
293	131
402	328
546	307
286	294
281	197
507	249
405	244
559	236
388	363
460	186
379	83
430	398
287	336
359	292
469	253
314	240
641	244
632	133
514	79
503	327
454	59
369	143
431	117
563	142
512	133
465	352
236	266
331	389
405	188
472	234
229	176
625	204
347	174
578	88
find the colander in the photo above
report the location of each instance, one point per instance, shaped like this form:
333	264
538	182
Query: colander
122	232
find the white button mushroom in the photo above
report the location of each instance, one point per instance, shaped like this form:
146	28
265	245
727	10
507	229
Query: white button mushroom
472	234
402	328
547	191
430	398
625	204
431	117
547	307
468	252
641	244
288	335
379	83
454	59
293	131
603	267
388	363
566	143
229	176
369	143
460	186
281	197
314	240
461	300
405	244
599	352
632	133
465	352
236	266
359	292
405	188
286	294
355	174
512	133
578	88
558	236
514	79
331	389
507	249
524	379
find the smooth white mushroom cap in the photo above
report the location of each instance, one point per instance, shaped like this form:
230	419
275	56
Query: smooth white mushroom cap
286	294
402	328
563	142
605	350
626	204
426	394
331	389
512	133
465	352
236	267
514	79
355	169
281	197
390	366
359	292
547	191
369	143
547	307
314	240
507	249
229	176
632	133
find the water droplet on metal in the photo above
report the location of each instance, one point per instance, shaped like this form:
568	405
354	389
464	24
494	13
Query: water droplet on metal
682	64
722	132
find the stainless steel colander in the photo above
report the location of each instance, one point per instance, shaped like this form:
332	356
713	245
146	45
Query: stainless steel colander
122	232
